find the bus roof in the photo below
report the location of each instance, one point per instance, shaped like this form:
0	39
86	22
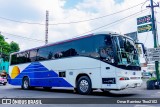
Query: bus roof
72	39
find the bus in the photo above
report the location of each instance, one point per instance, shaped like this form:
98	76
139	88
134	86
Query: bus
105	60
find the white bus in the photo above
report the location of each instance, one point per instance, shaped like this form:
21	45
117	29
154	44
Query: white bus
106	61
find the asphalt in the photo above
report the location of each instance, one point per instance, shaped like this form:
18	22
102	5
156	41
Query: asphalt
10	91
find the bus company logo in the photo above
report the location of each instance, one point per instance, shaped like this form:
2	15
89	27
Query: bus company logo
15	72
134	73
6	101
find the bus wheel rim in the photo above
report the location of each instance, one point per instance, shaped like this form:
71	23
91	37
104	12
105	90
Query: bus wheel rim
25	84
84	85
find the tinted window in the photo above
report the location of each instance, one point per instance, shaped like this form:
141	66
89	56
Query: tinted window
84	47
21	58
44	53
105	48
32	55
13	59
64	50
27	56
90	46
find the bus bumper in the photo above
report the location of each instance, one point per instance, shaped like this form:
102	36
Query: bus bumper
129	84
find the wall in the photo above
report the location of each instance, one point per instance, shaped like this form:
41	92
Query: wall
4	65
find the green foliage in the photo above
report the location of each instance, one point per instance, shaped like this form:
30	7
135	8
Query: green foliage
152	78
14	47
1	38
6	48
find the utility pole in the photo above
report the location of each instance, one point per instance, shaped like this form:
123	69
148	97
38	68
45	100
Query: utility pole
46	34
154	32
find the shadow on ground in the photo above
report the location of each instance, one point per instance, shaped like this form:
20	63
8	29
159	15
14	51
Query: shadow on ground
69	91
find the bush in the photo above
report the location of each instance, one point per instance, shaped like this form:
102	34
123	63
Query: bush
151	84
152	78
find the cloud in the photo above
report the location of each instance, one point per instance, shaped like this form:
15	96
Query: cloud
34	11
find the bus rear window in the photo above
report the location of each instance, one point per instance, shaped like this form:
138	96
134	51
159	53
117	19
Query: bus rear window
13	59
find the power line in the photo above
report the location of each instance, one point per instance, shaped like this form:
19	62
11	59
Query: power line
19	36
113	22
73	21
100	16
144	4
21	21
82	33
125	19
110	24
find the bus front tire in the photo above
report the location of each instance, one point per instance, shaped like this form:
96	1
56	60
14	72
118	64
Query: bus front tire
84	86
25	83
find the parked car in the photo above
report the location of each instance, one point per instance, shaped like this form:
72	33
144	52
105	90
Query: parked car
146	75
3	78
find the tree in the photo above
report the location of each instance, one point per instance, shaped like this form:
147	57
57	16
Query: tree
14	47
6	48
1	38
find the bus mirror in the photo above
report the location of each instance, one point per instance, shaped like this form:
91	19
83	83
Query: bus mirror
141	48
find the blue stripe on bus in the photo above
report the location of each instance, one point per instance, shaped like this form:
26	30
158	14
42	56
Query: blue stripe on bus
43	77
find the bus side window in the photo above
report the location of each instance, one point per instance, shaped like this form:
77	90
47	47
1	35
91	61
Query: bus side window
13	59
33	54
27	56
69	52
108	41
58	55
44	53
50	55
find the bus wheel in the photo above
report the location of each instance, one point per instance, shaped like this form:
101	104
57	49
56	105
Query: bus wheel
25	83
4	83
84	85
47	88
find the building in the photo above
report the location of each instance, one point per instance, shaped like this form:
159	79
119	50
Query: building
4	65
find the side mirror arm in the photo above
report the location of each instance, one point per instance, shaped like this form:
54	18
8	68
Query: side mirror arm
144	50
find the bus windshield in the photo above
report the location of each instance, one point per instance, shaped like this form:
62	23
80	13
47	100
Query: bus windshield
126	51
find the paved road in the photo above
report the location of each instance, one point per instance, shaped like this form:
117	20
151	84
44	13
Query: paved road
17	92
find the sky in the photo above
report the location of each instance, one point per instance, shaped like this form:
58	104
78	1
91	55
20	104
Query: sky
65	11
